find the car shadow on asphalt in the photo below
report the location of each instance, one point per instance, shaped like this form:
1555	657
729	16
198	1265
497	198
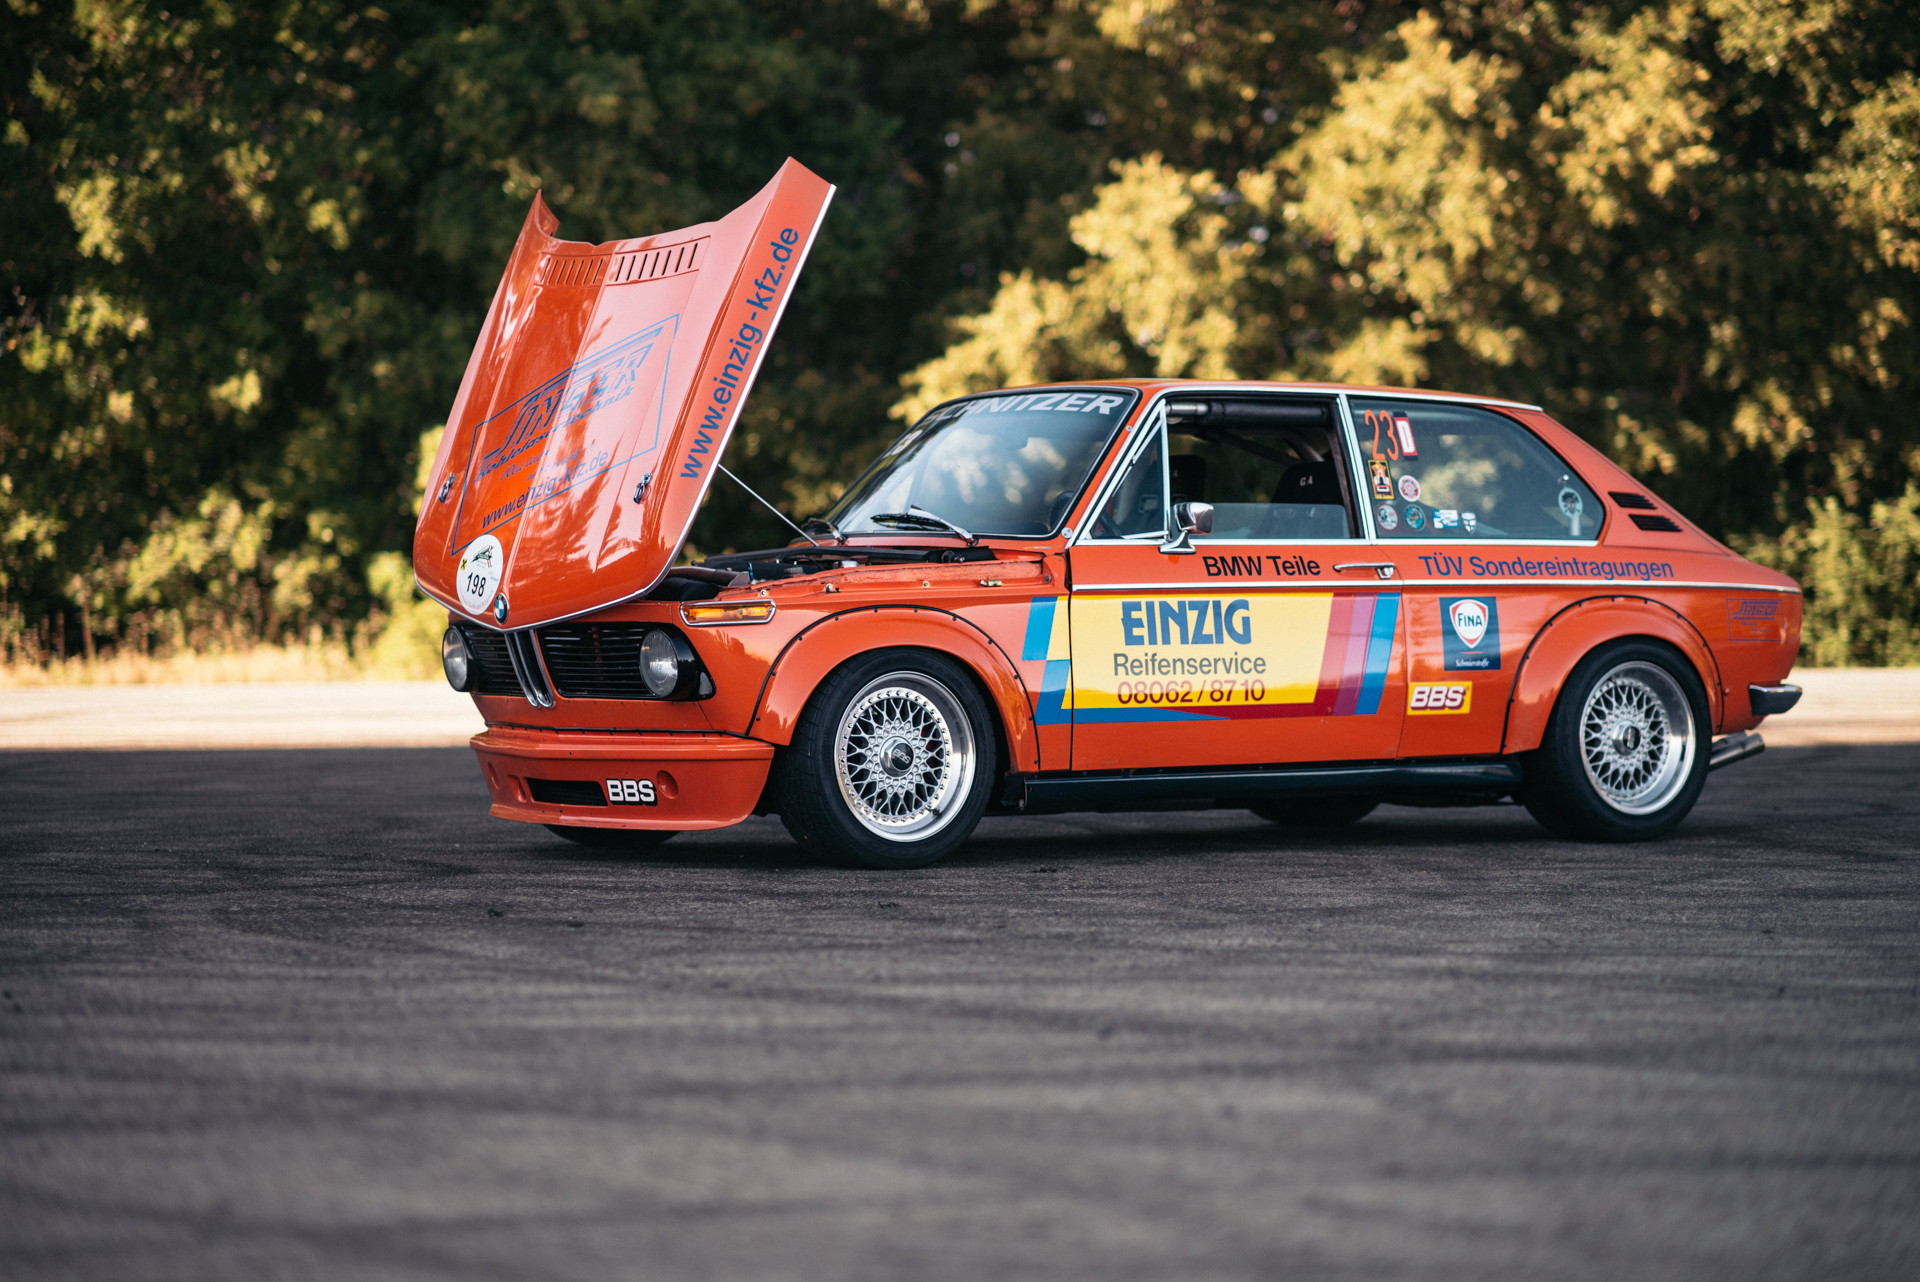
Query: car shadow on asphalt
1065	839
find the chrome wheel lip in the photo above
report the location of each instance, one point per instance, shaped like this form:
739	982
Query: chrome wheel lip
1637	738
892	718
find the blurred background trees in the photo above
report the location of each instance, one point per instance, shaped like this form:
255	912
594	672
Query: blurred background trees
247	251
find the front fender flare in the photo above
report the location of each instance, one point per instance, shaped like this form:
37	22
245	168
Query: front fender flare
1572	634
827	643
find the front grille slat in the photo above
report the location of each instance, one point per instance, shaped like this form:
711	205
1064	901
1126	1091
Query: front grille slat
595	660
494	674
567	792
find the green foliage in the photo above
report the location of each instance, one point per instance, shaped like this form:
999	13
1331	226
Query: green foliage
247	250
1862	579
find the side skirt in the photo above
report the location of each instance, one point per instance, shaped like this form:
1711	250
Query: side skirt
1470	782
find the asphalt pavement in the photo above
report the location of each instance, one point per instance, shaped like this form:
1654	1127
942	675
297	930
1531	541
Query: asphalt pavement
312	1014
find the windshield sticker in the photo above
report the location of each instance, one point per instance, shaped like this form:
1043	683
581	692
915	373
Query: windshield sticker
1558	567
1382	483
1229	658
1403	430
1379	424
1469	634
1446	519
1388	518
1410	489
479	573
1469	522
1416	517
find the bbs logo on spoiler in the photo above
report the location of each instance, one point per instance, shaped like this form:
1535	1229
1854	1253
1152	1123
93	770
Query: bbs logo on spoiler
630	792
1445	696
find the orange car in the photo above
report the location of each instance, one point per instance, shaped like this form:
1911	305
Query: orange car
1301	599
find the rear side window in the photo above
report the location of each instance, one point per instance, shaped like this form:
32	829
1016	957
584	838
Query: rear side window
1457	472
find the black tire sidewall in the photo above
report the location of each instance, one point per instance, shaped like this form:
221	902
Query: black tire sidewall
1558	792
811	805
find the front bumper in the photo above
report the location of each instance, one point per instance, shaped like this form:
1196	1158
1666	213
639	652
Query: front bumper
676	781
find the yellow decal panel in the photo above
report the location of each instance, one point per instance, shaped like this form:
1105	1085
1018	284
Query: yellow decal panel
1167	658
1424	698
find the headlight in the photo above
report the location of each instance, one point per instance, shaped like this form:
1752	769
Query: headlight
456	659
668	665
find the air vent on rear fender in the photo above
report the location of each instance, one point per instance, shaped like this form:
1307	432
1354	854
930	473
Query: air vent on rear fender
1661	523
1627	498
567	792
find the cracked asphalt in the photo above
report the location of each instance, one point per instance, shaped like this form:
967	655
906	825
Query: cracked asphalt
311	1014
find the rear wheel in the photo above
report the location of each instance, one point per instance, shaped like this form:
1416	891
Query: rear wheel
613	838
1325	812
891	764
1623	757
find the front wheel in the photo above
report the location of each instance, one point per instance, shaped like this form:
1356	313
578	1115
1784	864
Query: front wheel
891	764
1623	758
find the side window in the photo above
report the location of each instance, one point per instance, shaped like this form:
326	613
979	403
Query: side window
1454	471
1271	469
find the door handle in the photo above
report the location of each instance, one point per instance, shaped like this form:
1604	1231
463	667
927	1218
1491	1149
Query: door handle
1385	569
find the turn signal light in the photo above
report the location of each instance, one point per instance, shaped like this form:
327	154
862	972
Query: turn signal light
704	614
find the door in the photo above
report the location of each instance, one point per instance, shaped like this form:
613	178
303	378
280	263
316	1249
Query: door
1488	525
1273	639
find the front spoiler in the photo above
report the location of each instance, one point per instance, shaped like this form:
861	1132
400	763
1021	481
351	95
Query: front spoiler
696	781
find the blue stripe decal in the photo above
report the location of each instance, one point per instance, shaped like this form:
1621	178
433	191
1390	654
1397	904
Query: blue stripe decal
1386	613
1039	628
1050	708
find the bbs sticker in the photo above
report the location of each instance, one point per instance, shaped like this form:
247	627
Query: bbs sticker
479	574
631	792
1442	696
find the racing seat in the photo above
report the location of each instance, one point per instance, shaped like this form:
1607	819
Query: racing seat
1307	504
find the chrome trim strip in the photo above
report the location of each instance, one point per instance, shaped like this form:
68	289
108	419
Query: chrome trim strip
528	668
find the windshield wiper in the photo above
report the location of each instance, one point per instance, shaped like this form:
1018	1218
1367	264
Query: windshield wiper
918	518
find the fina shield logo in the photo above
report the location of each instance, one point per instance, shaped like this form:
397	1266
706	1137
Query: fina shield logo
1470	641
1469	622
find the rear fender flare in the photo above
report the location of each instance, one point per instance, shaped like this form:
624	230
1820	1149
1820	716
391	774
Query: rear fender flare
1573	634
812	655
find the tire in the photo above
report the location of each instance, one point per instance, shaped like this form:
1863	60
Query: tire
635	839
892	763
1625	752
1323	812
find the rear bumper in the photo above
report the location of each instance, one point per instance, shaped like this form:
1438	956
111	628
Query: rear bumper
672	781
1771	701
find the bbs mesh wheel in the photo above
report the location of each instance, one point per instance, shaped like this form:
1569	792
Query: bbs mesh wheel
891	763
1623	758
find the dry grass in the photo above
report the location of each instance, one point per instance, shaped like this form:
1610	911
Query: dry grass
325	661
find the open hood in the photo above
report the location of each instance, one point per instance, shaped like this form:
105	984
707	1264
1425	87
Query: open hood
603	388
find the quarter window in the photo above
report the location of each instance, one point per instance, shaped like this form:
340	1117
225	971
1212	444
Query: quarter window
1437	471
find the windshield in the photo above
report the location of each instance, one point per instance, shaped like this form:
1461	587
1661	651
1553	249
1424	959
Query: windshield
1008	465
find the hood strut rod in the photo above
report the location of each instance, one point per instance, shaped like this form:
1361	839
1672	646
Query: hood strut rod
770	507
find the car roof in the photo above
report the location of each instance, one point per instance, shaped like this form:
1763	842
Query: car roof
1151	387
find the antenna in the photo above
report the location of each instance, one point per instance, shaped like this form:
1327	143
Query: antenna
770	507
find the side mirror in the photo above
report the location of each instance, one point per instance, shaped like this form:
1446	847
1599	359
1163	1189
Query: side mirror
1189	519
